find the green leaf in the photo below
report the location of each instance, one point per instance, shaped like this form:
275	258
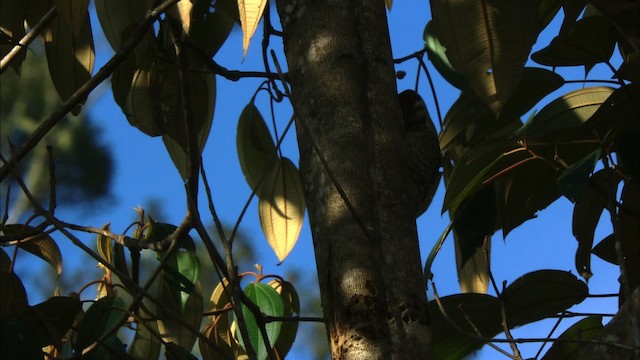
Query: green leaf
105	245
573	181
140	104
169	327
438	57
14	296
180	273
473	225
100	319
590	41
116	16
487	43
202	105
532	297
617	117
281	208
176	352
533	86
468	111
560	118
5	261
270	303
587	212
210	26
70	58
145	344
291	303
73	12
540	294
18	340
256	149
477	165
222	337
38	243
52	318
528	188
462	309
569	346
606	250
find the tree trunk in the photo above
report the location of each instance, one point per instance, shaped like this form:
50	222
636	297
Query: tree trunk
364	232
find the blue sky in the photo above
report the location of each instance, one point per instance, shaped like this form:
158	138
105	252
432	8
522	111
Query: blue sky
144	171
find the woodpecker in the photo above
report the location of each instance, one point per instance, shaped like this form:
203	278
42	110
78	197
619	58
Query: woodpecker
422	150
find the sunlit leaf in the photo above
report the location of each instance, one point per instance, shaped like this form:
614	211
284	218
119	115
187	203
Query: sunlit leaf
281	208
100	319
117	15
438	57
270	303
569	345
250	14
565	114
36	242
587	212
220	297
70	57
181	12
291	303
222	337
487	42
256	150
105	245
141	105
73	12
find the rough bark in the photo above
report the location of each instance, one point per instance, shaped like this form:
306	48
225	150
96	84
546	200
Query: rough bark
345	98
621	330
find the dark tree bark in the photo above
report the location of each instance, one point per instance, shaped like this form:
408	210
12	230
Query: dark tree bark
345	98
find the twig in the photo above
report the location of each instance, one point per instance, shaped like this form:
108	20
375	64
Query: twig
27	39
136	36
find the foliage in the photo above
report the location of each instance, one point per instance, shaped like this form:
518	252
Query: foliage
499	173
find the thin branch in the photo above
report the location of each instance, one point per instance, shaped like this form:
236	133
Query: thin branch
136	36
27	39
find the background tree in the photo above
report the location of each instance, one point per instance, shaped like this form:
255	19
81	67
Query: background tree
498	172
